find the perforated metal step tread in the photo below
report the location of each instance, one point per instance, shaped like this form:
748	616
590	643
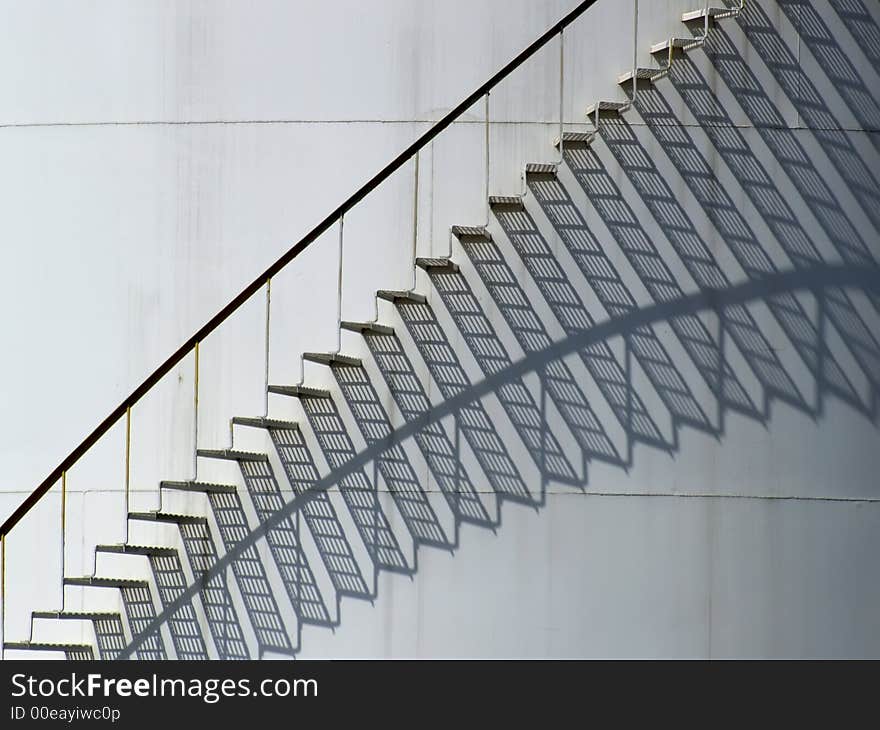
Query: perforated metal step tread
136	549
195	486
46	646
374	327
392	295
471	231
508	200
679	43
299	391
641	74
712	13
540	168
167	517
578	138
606	107
436	263
262	422
75	615
331	358
232	455
106	582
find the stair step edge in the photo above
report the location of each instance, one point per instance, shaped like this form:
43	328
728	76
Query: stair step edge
299	391
606	107
106	582
170	517
264	422
700	13
231	454
331	358
45	646
642	73
136	549
436	263
471	231
374	327
510	200
578	138
392	295
681	43
75	615
196	486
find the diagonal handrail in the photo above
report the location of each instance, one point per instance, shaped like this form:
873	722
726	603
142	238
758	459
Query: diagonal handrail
281	262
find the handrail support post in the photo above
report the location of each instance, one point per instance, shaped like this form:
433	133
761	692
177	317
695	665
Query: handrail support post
415	219
127	470
266	373
3	602
195	469
338	289
488	207
63	531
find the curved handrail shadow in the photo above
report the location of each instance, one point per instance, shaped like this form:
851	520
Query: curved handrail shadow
816	279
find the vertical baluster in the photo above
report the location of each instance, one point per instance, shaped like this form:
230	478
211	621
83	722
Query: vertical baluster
635	78
561	91
63	530
266	383
3	602
488	208
196	414
415	236
339	289
127	469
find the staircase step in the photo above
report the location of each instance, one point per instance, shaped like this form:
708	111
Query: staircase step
135	549
391	295
90	581
299	391
514	200
39	646
166	517
262	422
330	358
694	15
674	43
540	168
605	107
471	231
579	138
75	615
195	486
231	455
436	263
375	327
641	74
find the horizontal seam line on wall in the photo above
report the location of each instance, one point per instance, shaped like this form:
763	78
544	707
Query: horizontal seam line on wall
281	122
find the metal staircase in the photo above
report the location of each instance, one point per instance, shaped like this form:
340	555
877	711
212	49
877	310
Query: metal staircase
540	345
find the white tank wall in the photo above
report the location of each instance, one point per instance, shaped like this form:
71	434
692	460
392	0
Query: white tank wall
158	156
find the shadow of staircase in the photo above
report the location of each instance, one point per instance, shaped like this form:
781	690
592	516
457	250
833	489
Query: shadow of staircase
624	296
